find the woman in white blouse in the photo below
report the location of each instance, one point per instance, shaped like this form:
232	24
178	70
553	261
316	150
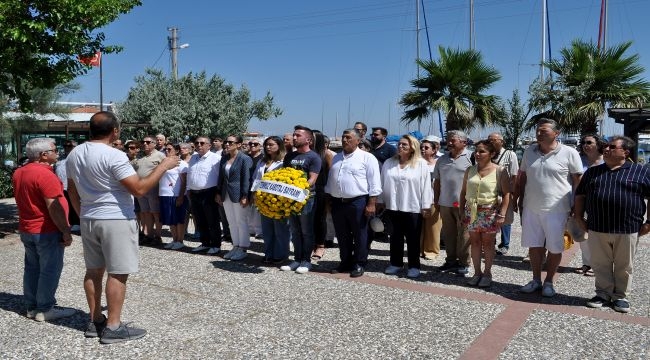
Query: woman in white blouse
173	206
406	196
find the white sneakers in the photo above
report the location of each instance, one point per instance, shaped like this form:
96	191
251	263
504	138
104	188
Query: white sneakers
304	267
291	267
53	314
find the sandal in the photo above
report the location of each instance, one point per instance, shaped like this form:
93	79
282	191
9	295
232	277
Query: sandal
318	253
589	272
582	270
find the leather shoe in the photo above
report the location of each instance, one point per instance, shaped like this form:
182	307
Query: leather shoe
357	271
341	269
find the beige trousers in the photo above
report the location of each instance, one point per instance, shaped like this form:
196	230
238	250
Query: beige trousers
611	260
430	238
456	245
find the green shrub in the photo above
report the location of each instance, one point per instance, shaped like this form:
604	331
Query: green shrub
6	188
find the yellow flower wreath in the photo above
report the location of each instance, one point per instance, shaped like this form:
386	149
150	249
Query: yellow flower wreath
281	193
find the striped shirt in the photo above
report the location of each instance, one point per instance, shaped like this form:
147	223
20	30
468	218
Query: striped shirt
614	199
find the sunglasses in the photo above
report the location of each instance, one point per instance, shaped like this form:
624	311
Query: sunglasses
147	142
132	147
230	142
613	147
253	144
199	143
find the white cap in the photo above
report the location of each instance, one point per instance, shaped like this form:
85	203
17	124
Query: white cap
376	224
432	138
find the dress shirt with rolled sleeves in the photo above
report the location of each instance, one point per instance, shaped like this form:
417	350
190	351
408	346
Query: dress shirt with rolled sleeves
203	171
353	175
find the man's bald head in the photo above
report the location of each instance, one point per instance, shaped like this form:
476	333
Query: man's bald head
103	124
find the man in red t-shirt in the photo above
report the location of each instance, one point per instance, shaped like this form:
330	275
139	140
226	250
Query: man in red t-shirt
44	229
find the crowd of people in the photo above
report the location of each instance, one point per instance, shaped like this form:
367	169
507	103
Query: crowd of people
460	200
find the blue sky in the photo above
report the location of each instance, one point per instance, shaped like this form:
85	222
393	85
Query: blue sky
350	60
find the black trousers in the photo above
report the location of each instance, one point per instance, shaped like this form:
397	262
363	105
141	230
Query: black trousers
407	226
206	216
351	226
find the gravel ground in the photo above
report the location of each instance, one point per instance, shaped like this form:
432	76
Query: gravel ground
197	306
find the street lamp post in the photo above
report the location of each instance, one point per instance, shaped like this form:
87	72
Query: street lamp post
173	48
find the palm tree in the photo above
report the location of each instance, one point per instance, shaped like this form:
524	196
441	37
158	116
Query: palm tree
455	84
585	79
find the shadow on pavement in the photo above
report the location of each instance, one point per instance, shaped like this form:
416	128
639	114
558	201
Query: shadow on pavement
14	303
248	266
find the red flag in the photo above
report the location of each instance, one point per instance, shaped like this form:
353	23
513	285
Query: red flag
94	60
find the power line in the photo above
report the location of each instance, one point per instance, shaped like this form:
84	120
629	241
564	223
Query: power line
159	56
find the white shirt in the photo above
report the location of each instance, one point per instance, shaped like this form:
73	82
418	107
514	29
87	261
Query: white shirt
59	169
170	183
262	169
203	171
97	170
549	178
408	189
508	159
353	175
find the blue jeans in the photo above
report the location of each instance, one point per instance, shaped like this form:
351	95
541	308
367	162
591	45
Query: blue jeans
276	238
43	265
302	232
505	236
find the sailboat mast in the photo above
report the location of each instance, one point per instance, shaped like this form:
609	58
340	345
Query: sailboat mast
541	65
417	33
472	40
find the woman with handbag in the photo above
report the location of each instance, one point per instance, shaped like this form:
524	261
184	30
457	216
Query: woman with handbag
484	185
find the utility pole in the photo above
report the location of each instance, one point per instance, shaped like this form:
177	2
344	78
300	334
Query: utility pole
173	48
172	40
